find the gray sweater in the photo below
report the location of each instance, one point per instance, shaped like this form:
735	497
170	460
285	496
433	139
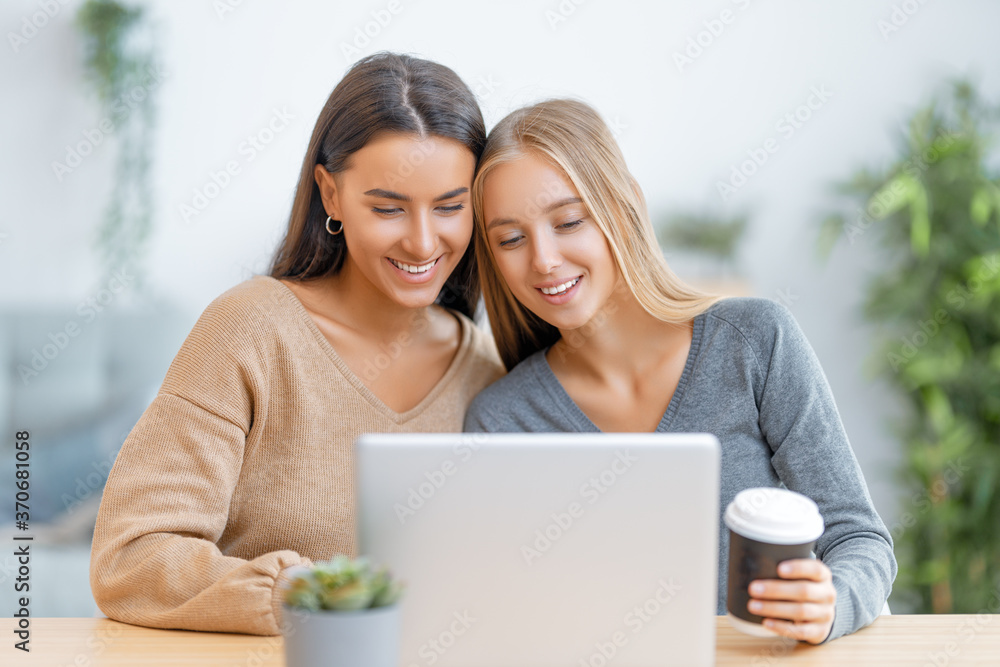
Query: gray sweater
752	380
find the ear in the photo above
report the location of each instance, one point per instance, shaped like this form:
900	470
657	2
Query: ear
328	191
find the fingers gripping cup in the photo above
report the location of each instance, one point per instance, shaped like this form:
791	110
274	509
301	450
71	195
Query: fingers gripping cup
766	526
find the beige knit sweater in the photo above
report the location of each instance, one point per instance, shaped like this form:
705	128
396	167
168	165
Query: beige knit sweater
242	465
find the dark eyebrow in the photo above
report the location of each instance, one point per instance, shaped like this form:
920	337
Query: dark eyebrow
452	193
389	194
497	222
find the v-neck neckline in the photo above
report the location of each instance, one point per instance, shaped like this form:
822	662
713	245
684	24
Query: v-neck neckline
356	382
577	416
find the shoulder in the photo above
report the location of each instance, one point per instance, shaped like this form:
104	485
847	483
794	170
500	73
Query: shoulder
244	303
750	315
483	360
516	393
234	334
755	318
253	312
756	324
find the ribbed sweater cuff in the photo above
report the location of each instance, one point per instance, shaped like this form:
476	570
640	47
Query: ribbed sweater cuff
844	610
278	592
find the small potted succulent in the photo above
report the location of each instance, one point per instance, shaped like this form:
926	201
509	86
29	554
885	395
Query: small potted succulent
342	612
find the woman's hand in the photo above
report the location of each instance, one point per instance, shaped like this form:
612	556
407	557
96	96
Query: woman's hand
798	609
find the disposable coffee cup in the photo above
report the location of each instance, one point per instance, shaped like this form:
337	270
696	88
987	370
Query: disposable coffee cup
766	526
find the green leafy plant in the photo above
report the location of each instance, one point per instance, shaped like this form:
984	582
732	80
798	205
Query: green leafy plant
715	236
343	584
935	299
123	71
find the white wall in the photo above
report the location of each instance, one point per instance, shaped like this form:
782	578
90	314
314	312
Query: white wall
681	131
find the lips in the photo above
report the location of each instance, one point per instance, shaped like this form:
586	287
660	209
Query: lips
414	268
557	286
559	291
414	273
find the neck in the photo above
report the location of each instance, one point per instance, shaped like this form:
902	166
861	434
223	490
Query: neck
353	301
622	338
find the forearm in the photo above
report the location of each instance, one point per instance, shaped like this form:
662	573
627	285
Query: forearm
863	570
170	581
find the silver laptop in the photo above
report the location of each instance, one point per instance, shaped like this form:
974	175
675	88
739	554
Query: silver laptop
546	549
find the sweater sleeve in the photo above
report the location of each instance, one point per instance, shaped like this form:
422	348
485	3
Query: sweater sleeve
811	454
155	559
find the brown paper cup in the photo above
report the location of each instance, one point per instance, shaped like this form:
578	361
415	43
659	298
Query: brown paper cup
766	526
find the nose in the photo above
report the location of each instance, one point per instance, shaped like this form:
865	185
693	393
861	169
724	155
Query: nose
545	256
422	239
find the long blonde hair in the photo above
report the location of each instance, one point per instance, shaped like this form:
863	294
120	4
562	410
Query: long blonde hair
572	135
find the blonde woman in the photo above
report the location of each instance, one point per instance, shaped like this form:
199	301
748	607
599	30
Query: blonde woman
242	467
599	335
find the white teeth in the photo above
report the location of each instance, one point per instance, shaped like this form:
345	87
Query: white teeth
559	289
413	269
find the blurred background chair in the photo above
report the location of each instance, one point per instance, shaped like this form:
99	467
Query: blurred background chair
79	401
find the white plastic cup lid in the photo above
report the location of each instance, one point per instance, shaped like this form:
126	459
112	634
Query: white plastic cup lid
774	516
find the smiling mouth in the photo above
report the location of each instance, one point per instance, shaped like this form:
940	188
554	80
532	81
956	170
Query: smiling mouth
559	289
414	268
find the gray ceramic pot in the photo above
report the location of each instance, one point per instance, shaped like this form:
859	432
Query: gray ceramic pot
368	638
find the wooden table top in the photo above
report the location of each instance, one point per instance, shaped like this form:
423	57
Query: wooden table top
936	641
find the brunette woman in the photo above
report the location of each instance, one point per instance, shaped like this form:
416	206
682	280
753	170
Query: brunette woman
242	467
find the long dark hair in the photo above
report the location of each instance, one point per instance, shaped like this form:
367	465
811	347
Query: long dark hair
385	92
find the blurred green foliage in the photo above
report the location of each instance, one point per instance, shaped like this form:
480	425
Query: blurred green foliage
935	214
106	25
122	69
708	234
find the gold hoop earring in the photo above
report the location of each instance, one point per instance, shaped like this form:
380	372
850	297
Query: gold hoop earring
330	231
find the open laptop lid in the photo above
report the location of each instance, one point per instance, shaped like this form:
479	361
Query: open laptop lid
546	549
